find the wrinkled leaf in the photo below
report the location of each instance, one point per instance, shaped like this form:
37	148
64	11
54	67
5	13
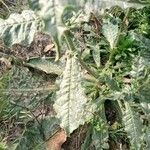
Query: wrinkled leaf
36	134
46	65
20	28
110	31
71	101
100	132
24	92
96	56
144	95
133	126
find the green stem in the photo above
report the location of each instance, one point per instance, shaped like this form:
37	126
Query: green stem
69	41
57	51
72	48
87	68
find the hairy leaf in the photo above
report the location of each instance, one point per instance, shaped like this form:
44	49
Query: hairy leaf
138	67
71	101
36	134
145	46
96	56
133	126
97	134
25	92
46	65
20	28
110	31
100	132
144	95
147	137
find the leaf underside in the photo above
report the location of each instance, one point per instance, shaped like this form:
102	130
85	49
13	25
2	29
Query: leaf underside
71	101
110	31
133	126
20	28
46	65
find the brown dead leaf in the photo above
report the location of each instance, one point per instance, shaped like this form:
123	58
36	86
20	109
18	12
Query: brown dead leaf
6	62
48	47
127	80
55	142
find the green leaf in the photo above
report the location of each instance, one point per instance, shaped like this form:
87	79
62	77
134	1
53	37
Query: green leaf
133	126
100	131
110	31
49	125
25	92
71	101
121	3
145	46
97	134
96	56
144	95
35	135
20	28
46	65
147	137
3	145
87	141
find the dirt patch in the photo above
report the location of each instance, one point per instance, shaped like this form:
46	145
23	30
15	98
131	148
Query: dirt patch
76	139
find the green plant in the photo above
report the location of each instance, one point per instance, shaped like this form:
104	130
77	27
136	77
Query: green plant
104	61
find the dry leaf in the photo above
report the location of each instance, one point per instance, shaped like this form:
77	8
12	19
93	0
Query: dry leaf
6	62
57	140
48	47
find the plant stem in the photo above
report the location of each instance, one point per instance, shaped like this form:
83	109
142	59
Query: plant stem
72	48
69	41
121	27
87	68
118	36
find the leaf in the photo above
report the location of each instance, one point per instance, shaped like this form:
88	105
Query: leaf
37	135
138	67
147	137
20	28
71	101
87	142
97	133
96	56
145	46
26	92
133	126
110	31
100	132
3	145
46	65
49	126
121	3
56	141
144	95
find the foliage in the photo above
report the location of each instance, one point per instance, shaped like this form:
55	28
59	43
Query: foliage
99	56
